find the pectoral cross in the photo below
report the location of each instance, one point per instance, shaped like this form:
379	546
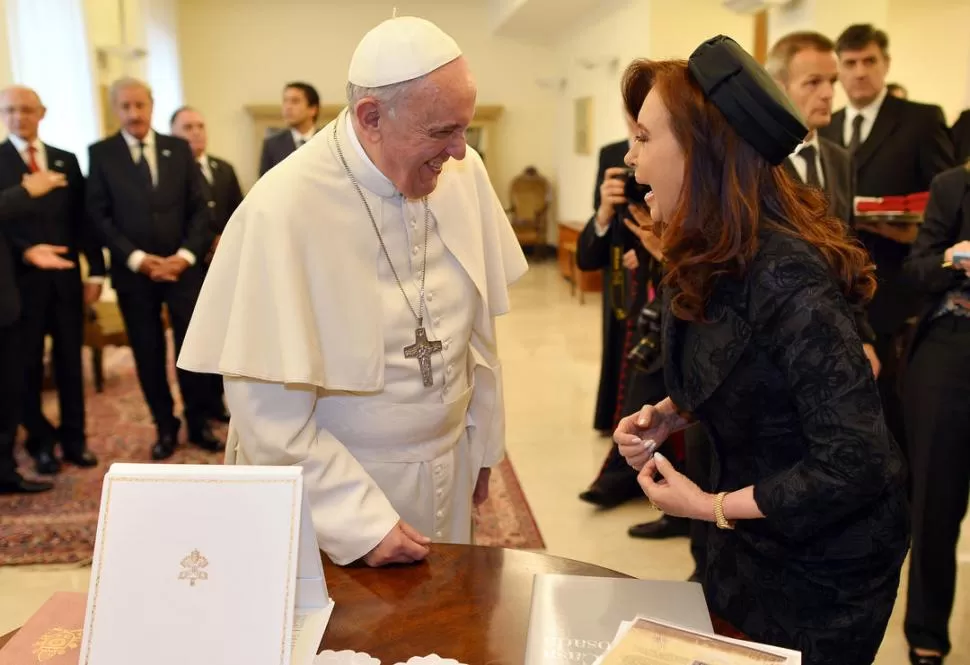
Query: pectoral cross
422	350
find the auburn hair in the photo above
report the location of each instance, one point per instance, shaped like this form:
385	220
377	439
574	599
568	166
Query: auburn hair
729	193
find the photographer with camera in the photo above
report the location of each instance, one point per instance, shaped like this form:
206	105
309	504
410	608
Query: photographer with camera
609	245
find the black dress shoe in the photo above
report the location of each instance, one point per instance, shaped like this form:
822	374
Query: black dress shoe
665	527
611	490
46	464
924	660
165	446
205	439
85	459
20	485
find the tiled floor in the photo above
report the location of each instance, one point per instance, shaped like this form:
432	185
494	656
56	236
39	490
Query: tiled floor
551	348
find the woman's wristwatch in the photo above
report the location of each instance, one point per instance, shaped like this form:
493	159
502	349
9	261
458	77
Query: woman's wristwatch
719	518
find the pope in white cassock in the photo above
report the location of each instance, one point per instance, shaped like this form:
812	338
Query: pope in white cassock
351	308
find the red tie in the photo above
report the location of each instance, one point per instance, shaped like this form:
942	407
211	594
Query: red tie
32	159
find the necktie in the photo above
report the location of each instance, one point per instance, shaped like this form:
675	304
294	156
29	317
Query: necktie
144	170
808	153
32	159
205	174
856	139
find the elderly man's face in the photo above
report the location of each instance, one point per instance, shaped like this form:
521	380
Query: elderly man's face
190	125
21	111
812	75
427	128
133	105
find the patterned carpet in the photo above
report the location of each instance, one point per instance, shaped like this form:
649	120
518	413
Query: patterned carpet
59	526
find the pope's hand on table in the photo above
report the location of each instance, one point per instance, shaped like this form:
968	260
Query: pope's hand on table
403	544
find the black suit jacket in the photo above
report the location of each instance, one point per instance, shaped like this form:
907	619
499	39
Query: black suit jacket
276	148
223	194
839	186
908	146
838	176
593	251
14	201
961	136
57	218
130	216
945	223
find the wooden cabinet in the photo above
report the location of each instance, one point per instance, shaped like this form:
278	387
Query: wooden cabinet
585	282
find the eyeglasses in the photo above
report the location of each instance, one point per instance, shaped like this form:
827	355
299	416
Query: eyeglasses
23	110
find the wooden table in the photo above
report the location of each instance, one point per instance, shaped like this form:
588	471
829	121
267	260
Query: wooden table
465	602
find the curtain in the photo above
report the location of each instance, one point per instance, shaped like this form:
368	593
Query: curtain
162	69
49	52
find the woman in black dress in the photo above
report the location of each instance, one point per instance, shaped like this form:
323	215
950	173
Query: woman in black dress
762	350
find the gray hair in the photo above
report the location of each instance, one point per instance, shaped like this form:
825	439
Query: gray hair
125	83
387	95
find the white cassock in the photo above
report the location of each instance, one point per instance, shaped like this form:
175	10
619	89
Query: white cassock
301	313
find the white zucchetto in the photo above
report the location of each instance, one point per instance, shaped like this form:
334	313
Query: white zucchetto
400	49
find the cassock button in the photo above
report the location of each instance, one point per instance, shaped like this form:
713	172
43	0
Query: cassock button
449	370
438	492
430	297
416	250
440	514
447	344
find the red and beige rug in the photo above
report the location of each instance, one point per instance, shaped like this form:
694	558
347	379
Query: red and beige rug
59	526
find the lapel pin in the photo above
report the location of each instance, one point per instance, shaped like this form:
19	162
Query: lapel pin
59	163
213	164
166	153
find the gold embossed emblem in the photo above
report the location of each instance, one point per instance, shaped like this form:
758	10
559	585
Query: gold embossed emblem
56	642
193	566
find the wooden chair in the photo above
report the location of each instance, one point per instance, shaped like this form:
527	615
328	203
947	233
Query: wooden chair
529	195
103	326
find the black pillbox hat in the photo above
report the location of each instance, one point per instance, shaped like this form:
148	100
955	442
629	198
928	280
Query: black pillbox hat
750	100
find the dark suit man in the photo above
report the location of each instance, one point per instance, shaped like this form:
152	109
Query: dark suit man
145	196
301	106
960	132
52	301
897	148
14	202
804	66
937	392
223	195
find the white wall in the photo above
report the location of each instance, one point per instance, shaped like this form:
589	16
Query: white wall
239	52
6	72
931	52
927	41
624	30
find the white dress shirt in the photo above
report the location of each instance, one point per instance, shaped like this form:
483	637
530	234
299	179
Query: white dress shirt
40	156
868	114
298	137
203	161
151	156
802	167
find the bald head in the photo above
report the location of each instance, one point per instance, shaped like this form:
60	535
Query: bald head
21	111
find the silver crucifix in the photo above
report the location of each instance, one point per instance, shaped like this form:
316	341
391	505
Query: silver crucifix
422	350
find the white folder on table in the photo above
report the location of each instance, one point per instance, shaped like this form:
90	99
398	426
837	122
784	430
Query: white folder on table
202	564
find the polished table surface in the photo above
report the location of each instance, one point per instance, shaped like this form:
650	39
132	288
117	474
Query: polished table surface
465	602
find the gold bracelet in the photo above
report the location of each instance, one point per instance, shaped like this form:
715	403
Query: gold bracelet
721	521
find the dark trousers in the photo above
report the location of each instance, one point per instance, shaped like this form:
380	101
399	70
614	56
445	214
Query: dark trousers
56	310
11	380
938	421
141	307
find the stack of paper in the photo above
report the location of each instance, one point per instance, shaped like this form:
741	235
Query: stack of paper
651	642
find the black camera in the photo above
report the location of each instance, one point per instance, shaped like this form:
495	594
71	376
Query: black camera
632	190
646	354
